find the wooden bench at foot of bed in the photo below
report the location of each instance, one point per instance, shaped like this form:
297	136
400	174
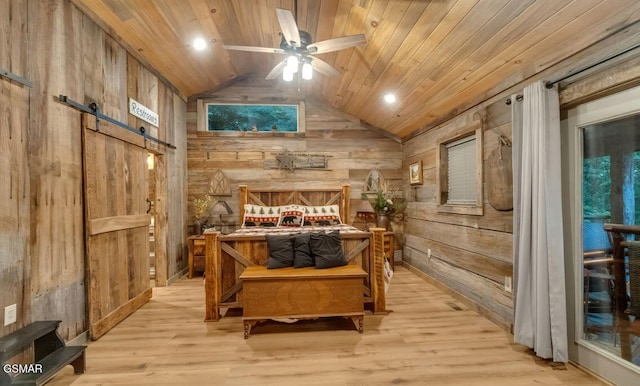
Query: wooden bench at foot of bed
302	293
228	256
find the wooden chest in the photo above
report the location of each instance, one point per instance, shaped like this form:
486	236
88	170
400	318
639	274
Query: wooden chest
302	293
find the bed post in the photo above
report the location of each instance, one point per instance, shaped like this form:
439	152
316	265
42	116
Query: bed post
377	271
243	198
345	200
212	274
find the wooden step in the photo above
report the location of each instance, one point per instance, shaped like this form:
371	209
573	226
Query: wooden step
52	363
15	342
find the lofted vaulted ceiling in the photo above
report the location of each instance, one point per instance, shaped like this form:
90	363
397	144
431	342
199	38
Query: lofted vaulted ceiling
438	56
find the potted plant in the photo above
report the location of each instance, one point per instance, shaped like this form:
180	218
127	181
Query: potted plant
387	205
200	211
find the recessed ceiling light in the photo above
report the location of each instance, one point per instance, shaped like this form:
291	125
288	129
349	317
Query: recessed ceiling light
199	44
389	98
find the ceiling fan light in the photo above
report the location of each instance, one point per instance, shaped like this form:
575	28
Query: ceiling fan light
199	44
287	74
292	64
307	71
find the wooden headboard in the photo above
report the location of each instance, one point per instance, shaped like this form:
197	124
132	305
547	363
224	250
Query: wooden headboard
311	197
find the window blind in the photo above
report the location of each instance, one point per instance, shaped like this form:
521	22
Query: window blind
461	171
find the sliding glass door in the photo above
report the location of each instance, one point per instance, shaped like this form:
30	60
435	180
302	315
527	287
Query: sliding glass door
602	163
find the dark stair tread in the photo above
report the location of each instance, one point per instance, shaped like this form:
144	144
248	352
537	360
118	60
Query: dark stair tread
26	335
51	364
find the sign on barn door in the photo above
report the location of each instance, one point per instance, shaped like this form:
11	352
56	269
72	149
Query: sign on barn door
116	223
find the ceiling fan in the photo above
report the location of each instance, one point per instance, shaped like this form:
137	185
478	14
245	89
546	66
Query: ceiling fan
299	48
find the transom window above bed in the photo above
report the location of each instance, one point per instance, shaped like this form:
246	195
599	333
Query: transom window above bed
250	118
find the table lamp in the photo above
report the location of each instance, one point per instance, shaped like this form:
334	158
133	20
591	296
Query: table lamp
221	210
363	211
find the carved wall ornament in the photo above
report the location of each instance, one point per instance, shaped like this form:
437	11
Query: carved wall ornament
374	182
219	184
288	160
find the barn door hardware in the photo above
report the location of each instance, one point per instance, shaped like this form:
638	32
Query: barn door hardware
16	78
94	110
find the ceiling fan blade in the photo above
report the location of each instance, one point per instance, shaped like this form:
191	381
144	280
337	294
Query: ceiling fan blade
254	49
336	44
288	26
275	72
323	67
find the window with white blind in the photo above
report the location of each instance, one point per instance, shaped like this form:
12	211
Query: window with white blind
460	174
461	171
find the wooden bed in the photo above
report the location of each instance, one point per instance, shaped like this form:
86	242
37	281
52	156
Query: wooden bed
227	256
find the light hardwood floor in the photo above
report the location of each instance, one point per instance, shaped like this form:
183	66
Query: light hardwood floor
429	338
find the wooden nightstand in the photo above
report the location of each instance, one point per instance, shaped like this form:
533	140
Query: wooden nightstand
389	248
196	254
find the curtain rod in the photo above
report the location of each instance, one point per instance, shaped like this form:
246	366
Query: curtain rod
519	98
551	83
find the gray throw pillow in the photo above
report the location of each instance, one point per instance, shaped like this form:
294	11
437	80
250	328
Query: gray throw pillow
301	251
280	251
326	249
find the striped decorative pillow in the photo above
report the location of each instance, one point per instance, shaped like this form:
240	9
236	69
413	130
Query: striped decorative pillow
322	215
260	216
291	216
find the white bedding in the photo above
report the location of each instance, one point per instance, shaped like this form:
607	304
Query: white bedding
254	231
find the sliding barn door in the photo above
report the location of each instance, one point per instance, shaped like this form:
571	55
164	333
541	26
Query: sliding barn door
117	223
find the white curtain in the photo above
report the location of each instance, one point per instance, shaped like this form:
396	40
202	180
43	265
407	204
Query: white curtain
540	320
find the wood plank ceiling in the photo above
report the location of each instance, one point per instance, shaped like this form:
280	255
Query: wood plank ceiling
438	56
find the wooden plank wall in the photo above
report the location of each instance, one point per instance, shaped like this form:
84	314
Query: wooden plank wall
475	261
172	212
469	254
62	51
176	166
15	258
353	149
55	166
